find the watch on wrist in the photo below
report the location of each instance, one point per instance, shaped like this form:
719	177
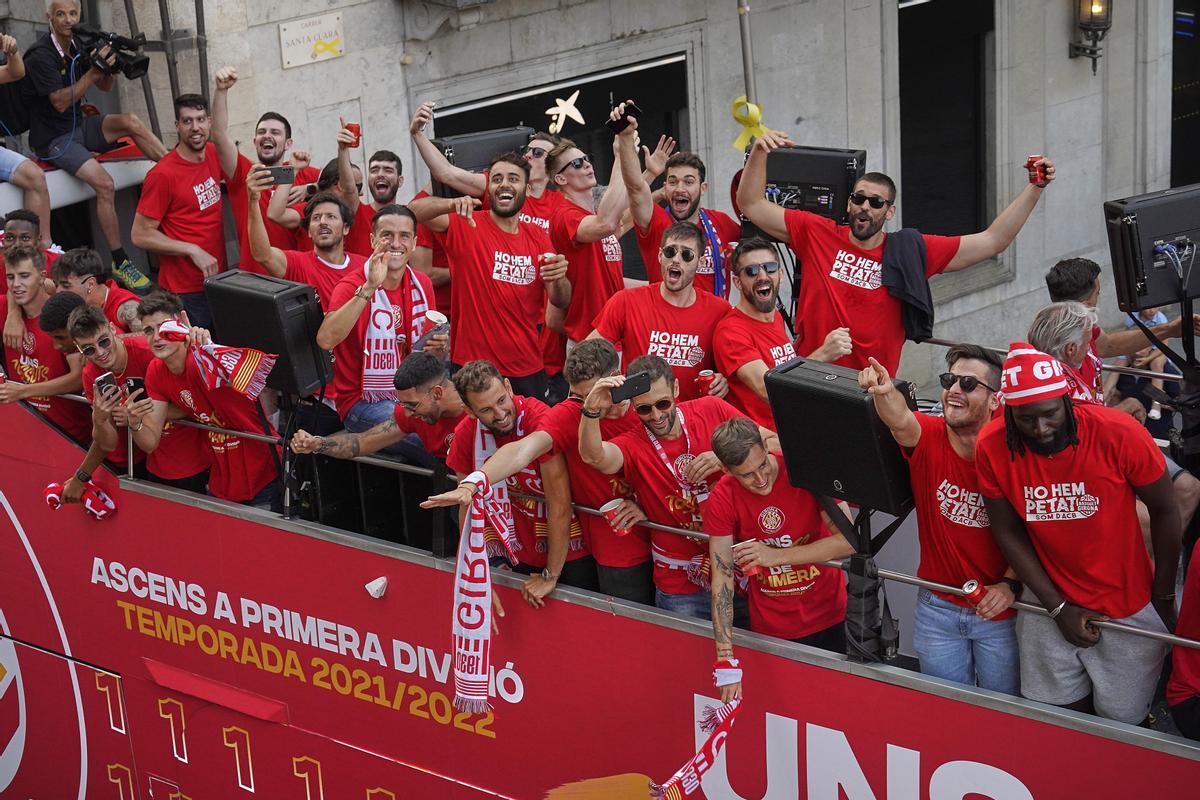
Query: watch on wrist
550	576
1014	584
82	476
362	293
591	414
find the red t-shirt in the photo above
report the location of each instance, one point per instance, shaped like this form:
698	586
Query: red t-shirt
535	210
433	240
1078	506
308	267
740	339
36	361
661	493
496	293
185	198
358	238
1185	661
592	488
241	468
840	287
594	269
726	229
435	438
1090	372
793	600
239	203
952	524
348	355
117	296
529	516
640	322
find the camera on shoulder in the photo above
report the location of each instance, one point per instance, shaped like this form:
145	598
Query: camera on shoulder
128	59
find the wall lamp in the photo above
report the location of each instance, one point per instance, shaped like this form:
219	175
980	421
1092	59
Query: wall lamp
1093	18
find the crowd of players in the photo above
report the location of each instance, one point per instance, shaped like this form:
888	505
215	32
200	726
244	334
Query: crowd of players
1026	482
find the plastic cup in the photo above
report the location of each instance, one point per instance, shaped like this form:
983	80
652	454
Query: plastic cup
432	320
609	510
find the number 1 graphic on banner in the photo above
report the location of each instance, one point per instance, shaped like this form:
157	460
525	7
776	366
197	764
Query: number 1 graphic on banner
123	778
239	740
171	710
310	770
380	794
111	687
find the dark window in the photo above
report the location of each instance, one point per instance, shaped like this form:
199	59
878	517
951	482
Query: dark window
943	62
1185	94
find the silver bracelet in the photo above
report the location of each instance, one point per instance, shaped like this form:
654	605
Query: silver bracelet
1058	609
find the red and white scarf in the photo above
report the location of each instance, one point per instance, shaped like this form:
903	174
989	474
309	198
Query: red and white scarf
500	534
391	330
242	369
471	624
717	722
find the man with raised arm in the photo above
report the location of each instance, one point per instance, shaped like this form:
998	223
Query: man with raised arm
842	270
1059	482
955	640
504	270
622	555
671	469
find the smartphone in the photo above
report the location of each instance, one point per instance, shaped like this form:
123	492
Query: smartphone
106	385
134	384
635	384
282	174
618	125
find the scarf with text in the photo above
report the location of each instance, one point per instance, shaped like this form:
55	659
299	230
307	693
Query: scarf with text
717	722
717	254
498	531
242	369
391	330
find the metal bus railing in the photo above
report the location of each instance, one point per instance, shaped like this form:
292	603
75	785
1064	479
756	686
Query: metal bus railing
898	577
1135	371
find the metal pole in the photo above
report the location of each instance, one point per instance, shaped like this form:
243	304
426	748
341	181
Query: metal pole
147	88
747	50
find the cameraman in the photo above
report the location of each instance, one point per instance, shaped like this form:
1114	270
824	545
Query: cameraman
60	75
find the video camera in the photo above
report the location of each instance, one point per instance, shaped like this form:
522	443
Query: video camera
129	58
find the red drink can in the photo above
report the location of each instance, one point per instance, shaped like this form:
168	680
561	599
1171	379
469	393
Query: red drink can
356	129
704	381
1037	172
975	591
609	510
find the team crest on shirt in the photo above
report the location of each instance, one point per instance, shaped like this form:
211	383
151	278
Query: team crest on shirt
397	317
856	270
961	506
29	342
682	463
1059	501
186	397
771	519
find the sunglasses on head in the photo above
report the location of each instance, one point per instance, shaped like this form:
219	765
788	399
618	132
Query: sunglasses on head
858	198
645	409
89	350
577	163
686	253
536	152
967	382
752	270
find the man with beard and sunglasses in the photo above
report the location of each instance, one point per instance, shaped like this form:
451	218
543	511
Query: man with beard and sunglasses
670	319
751	338
841	265
504	271
1059	482
668	462
683	187
954	640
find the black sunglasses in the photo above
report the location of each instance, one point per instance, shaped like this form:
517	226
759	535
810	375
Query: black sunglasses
536	152
967	382
752	270
686	253
645	409
89	350
858	198
577	163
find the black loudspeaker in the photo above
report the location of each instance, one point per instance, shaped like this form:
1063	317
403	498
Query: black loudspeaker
1153	240
834	443
474	151
816	179
275	316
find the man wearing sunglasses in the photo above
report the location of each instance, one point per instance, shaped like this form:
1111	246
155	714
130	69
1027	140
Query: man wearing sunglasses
83	272
955	641
670	465
842	265
670	319
181	460
751	337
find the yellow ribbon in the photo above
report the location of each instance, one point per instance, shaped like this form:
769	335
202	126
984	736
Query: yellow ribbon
750	120
332	46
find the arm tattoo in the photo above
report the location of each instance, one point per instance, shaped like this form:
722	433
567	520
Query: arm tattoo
723	565
340	445
723	616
